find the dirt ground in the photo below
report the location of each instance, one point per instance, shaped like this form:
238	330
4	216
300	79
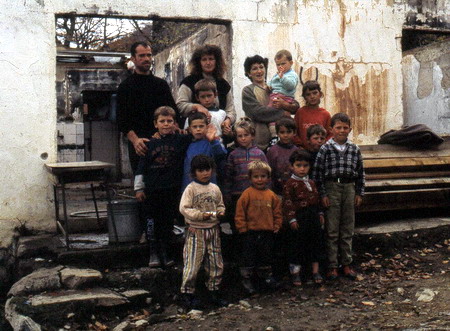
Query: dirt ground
394	269
403	284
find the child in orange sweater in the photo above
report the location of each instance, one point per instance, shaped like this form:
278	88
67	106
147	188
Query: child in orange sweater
258	218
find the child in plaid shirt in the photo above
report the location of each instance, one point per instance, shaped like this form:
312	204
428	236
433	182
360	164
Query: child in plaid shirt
339	174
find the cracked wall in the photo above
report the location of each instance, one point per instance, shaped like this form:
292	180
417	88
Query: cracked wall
352	44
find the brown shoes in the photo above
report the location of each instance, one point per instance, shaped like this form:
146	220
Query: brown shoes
332	274
349	272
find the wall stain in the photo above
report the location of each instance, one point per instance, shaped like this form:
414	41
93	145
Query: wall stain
364	100
343	11
342	68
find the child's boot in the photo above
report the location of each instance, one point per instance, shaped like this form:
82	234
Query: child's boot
246	274
154	261
217	299
266	274
294	269
166	259
191	301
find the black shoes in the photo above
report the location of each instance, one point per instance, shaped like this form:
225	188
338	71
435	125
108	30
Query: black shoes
217	300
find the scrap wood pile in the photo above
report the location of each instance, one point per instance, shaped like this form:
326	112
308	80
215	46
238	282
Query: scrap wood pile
402	178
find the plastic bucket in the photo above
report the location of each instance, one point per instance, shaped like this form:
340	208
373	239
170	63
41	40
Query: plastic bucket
126	219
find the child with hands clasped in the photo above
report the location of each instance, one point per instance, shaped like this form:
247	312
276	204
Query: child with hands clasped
258	218
339	174
202	206
301	210
283	85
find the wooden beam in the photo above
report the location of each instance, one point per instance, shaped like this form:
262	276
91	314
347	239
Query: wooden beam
407	184
407	162
412	174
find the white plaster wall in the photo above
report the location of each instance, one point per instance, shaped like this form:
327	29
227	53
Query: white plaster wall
318	32
432	110
27	112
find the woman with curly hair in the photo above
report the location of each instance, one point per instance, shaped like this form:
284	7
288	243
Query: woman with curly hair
207	62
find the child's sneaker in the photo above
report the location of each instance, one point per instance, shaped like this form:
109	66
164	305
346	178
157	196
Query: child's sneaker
272	283
217	299
248	286
190	301
154	261
349	272
317	279
332	274
296	279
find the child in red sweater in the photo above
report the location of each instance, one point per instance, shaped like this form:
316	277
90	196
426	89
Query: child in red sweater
258	218
311	113
301	210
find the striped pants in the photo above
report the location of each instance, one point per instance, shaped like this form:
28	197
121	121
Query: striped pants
202	246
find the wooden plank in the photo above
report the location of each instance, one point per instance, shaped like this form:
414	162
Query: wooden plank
407	162
412	174
407	184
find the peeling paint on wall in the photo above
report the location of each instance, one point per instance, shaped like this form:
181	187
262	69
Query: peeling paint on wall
426	85
365	101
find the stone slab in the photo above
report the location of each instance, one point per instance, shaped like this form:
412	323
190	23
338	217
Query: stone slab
403	225
19	321
46	279
97	296
38	245
135	294
73	278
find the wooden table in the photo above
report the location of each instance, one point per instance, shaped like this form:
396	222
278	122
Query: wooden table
89	172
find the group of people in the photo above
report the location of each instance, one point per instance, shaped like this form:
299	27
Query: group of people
277	180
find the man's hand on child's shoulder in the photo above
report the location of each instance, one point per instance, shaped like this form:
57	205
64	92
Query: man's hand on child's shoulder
140	196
